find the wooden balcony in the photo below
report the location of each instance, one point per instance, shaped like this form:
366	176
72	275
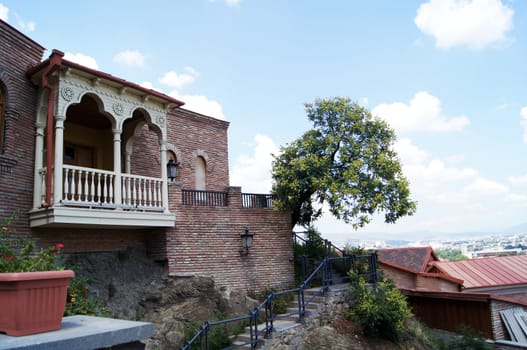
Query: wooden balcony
96	197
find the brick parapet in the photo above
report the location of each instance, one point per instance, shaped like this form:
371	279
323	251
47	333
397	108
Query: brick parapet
206	241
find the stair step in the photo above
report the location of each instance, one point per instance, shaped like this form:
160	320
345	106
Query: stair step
289	320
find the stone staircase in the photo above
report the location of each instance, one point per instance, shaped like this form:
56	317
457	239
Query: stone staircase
290	319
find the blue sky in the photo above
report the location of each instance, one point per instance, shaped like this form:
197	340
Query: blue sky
448	75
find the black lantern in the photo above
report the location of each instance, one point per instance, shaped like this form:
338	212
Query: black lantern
171	169
247	242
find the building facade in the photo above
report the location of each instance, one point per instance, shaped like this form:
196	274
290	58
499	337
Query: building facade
83	162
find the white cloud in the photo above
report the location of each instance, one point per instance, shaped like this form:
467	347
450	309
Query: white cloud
147	84
177	80
423	113
252	170
200	104
364	101
482	186
132	58
518	180
230	3
523	122
409	153
81	59
4	11
472	23
27	26
516	198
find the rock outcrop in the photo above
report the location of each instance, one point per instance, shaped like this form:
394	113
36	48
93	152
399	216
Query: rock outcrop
133	287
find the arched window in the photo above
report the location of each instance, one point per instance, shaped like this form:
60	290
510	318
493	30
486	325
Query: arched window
201	174
2	118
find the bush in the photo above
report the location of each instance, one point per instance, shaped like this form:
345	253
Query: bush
218	337
469	339
381	310
78	302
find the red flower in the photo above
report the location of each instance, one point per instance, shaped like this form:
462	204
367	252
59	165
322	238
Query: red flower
59	246
9	257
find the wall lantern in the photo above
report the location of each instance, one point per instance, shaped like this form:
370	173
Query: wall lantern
247	242
172	169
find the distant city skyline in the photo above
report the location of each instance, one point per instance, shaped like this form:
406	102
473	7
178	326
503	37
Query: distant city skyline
447	75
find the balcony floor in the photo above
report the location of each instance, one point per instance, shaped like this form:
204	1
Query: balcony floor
105	218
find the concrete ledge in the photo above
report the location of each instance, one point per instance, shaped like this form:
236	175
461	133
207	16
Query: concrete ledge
82	333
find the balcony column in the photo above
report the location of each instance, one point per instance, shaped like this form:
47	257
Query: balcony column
118	198
163	158
59	157
38	188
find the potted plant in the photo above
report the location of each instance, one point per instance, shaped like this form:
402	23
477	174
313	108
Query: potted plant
32	287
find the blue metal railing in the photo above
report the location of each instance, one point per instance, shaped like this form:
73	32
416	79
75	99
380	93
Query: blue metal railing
321	274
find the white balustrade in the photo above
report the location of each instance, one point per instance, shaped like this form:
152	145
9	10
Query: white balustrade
142	192
95	188
87	186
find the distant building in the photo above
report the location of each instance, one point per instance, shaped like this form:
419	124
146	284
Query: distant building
484	293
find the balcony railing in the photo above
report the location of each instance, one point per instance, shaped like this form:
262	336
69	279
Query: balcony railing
142	192
204	198
220	199
253	200
96	188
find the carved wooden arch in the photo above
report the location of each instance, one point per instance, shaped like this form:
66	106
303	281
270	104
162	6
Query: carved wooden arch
148	121
100	106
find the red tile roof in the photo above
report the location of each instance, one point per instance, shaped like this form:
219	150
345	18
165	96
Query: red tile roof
487	272
416	259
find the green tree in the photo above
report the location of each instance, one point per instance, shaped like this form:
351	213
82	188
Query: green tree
346	161
451	254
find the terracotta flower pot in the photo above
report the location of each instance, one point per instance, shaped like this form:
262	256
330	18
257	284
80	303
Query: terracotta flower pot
32	302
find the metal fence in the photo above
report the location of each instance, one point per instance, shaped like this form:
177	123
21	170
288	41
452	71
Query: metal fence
220	199
204	198
262	318
254	200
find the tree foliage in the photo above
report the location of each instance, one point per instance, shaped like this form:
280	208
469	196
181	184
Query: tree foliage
381	310
450	254
346	161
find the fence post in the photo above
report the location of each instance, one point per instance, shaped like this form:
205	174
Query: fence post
255	317
374	266
304	267
301	304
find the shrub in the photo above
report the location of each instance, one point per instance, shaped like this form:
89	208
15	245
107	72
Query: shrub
18	254
218	337
78	302
381	310
469	339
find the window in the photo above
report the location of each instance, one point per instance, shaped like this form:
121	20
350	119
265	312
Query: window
2	119
201	174
79	155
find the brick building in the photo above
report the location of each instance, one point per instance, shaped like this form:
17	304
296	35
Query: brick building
84	158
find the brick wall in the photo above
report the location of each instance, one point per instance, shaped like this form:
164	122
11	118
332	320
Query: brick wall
17	54
194	135
498	328
206	241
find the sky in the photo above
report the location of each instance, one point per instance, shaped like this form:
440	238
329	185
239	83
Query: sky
447	75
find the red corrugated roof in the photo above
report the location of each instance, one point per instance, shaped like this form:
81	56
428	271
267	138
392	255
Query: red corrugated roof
487	272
